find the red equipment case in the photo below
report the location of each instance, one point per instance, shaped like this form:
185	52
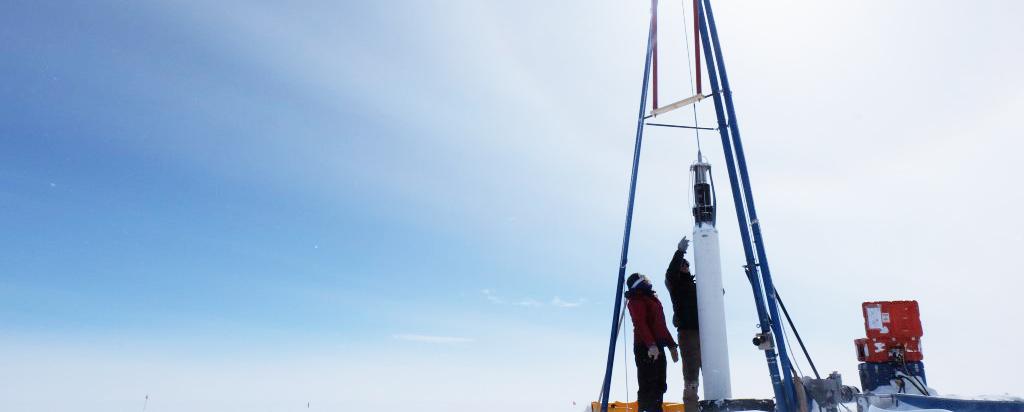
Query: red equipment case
899	319
893	331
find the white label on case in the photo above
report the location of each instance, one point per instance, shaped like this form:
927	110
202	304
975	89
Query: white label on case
874	317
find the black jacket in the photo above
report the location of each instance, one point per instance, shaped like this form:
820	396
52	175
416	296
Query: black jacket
682	288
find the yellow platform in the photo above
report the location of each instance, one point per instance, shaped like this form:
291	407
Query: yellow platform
631	407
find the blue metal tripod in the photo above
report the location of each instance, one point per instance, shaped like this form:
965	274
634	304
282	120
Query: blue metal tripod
757	270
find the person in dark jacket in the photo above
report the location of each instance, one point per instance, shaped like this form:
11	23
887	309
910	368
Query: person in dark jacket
650	336
682	289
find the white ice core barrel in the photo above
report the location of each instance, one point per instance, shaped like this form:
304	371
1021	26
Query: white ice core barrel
707	268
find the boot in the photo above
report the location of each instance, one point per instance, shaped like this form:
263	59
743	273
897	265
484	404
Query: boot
690	397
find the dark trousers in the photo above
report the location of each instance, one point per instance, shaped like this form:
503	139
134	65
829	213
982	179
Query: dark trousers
650	376
689	348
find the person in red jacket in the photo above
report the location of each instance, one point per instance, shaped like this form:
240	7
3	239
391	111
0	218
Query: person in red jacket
650	336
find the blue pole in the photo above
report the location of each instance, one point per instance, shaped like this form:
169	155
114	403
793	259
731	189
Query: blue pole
755	226
606	386
781	395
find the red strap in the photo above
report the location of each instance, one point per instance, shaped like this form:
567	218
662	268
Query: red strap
696	42
654	27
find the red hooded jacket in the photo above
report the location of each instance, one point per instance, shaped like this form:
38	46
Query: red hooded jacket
648	320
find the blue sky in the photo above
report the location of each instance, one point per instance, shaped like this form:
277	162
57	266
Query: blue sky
252	205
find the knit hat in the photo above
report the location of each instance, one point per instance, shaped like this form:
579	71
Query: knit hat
636	280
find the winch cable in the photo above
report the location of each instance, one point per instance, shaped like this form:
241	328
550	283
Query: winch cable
689	70
796	333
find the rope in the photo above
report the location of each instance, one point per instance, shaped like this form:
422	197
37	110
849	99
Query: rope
625	357
796	365
796	332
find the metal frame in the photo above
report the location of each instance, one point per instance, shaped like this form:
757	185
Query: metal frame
757	270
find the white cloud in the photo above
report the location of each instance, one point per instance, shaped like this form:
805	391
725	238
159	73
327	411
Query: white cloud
530	303
558	302
491	297
431	338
